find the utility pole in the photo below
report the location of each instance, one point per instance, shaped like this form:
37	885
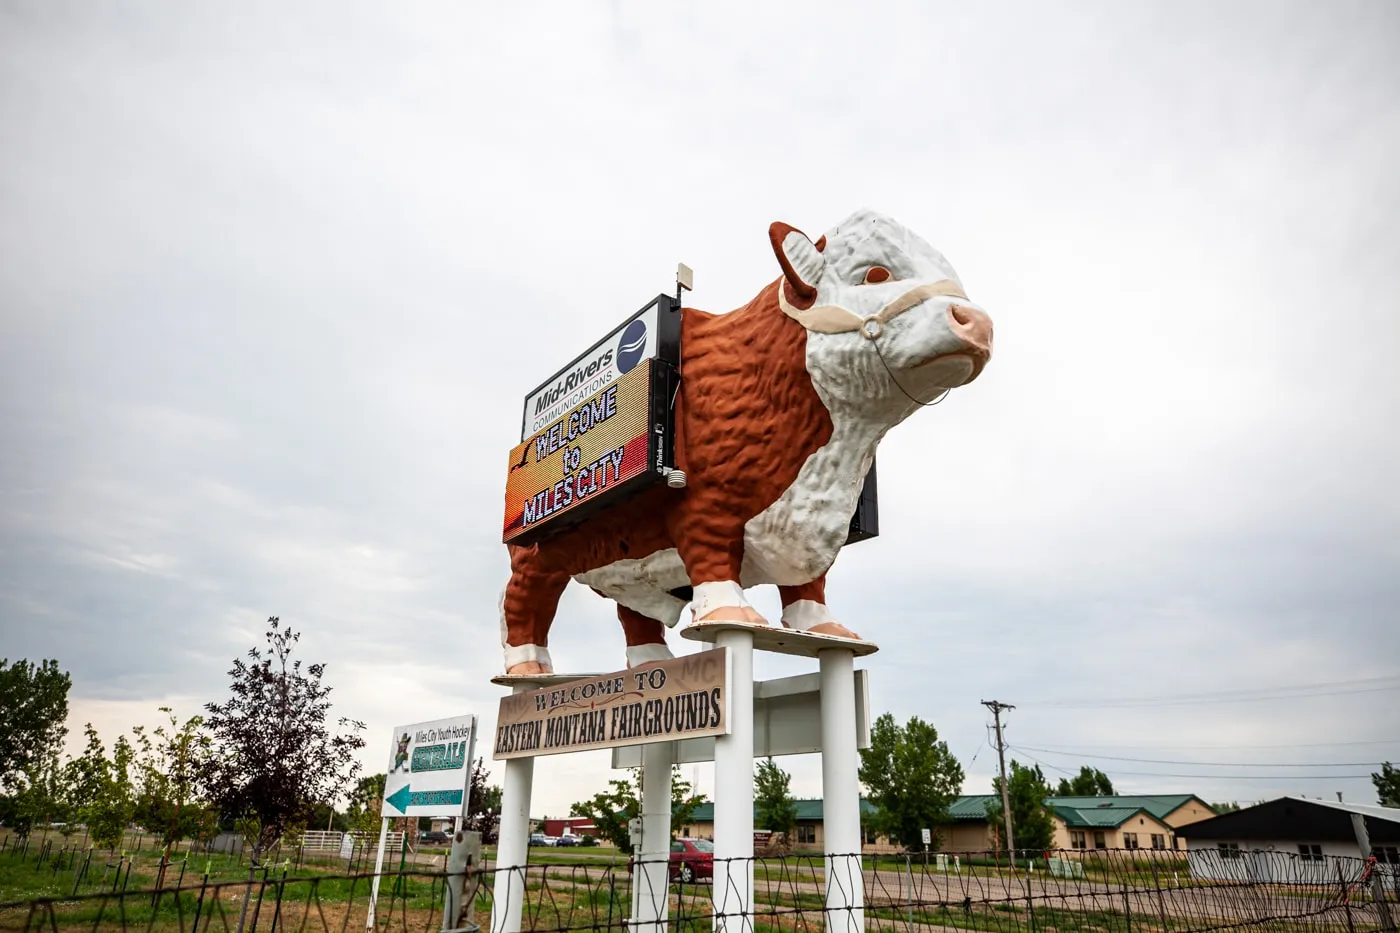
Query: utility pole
996	708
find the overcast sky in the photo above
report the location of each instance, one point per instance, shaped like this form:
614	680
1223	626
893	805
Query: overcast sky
274	279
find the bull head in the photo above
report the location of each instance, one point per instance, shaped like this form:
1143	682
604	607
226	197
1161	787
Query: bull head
888	323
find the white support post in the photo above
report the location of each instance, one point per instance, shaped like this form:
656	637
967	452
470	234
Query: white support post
650	880
733	865
845	878
512	844
374	882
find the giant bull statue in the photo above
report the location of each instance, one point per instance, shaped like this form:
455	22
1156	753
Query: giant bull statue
781	405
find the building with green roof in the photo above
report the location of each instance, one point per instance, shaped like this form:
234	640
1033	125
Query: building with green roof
1118	822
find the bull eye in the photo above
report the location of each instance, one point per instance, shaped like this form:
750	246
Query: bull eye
876	274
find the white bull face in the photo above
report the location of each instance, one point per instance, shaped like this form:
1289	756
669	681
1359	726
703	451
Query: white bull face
888	323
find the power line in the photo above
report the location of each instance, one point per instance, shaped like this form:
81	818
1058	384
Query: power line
1119	747
1208	764
1212	777
1250	695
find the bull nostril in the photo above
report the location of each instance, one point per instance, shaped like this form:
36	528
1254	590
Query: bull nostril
972	326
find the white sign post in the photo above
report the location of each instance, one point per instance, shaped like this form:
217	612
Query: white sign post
429	775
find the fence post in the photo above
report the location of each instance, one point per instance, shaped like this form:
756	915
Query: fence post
1030	897
908	867
1346	896
199	904
160	880
1363	842
1127	912
1161	901
277	909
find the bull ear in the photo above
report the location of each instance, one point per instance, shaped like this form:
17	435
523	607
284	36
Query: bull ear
800	258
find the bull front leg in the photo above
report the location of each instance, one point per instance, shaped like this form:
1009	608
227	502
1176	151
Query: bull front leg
646	637
711	545
805	610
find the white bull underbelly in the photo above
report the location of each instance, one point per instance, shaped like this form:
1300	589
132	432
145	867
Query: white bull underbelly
792	542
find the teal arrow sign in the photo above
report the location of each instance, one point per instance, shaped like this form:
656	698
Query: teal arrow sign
404	797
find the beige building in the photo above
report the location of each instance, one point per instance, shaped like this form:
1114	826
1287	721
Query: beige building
1121	821
1117	822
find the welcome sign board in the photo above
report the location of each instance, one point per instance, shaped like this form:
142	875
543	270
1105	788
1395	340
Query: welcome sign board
662	701
428	767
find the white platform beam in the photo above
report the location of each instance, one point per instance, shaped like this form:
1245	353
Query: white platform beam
733	865
845	878
650	878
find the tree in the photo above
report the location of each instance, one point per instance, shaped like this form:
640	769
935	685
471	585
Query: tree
365	804
274	756
35	701
1230	807
1090	782
42	796
774	807
484	807
1032	823
912	778
102	788
167	764
1387	782
613	809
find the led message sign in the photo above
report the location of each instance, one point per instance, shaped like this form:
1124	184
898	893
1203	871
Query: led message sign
599	429
609	444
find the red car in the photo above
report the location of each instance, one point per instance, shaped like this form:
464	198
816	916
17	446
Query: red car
692	859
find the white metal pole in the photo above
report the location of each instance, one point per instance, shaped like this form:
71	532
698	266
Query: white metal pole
845	878
459	824
378	867
733	866
512	845
650	882
467	788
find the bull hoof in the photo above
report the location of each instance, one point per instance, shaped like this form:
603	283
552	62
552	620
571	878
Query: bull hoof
528	667
833	628
744	615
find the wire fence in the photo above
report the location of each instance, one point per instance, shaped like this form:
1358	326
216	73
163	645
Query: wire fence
1102	891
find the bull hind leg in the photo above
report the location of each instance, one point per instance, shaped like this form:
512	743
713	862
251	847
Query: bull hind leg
528	605
805	610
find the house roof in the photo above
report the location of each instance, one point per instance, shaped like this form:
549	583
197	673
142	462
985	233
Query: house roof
1298	819
971	807
1158	805
1077	812
809	809
1098	817
1085	812
1368	810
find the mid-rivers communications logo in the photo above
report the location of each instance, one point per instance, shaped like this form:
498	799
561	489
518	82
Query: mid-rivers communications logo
673	699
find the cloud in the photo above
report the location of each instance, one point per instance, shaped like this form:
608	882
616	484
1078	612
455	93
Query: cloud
277	281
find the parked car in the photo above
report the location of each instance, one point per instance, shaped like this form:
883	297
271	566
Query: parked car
692	859
435	836
538	839
569	839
